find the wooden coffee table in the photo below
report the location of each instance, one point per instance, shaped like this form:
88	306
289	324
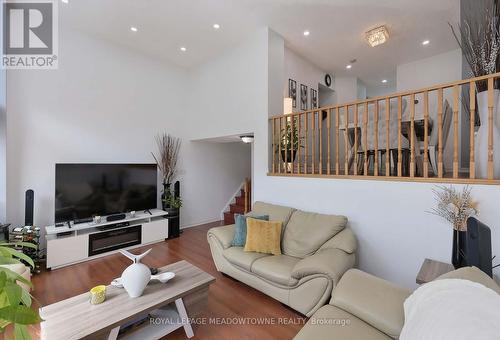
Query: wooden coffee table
166	307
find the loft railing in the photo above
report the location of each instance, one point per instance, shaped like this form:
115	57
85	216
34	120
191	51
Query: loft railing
402	136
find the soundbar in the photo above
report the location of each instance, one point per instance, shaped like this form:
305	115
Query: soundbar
115	217
83	220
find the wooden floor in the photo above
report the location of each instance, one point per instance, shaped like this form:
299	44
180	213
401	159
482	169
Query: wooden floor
228	298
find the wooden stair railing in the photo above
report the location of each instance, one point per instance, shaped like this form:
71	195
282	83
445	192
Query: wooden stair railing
298	147
241	205
247	191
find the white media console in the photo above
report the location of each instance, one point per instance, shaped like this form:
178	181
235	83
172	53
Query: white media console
67	245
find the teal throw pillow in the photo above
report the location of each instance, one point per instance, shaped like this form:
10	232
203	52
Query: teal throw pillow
240	230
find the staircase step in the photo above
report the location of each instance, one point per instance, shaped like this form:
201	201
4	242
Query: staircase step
228	218
236	209
240	201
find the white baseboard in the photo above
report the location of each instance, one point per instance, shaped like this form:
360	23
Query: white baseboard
199	223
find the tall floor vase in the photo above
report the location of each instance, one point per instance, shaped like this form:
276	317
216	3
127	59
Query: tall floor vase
458	256
481	142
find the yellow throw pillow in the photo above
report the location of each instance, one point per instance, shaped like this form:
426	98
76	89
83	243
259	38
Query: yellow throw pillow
263	236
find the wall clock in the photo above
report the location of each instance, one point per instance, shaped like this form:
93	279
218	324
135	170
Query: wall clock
328	80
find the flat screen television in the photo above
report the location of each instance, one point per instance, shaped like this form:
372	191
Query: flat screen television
87	190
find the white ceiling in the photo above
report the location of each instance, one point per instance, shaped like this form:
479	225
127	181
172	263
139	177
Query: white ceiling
336	26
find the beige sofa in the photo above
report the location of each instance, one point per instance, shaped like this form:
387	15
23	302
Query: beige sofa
22	270
372	307
316	249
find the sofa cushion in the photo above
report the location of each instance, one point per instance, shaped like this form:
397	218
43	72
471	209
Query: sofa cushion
276	269
275	212
263	236
240	228
345	240
306	232
240	258
330	322
372	299
473	274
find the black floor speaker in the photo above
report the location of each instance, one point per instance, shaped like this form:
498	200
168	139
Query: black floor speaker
173	226
29	207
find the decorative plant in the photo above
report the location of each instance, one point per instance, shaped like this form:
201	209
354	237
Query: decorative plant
168	147
455	206
289	139
479	40
172	201
15	300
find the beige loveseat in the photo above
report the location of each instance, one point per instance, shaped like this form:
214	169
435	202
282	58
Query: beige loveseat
369	308
316	250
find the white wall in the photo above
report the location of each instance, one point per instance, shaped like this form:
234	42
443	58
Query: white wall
380	90
105	104
303	72
439	69
434	70
229	91
361	90
346	89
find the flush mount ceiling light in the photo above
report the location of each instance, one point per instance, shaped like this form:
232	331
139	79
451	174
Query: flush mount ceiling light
306	33
246	139
377	36
133	29
216	26
384	81
183	49
348	67
425	42
65	1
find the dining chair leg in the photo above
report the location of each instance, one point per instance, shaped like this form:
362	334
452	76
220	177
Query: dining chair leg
433	159
406	162
361	162
351	160
393	161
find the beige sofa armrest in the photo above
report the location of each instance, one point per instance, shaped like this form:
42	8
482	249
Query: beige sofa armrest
373	300
332	262
223	234
22	270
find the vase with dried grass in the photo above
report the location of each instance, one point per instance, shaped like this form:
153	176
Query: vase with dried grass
456	207
168	154
479	39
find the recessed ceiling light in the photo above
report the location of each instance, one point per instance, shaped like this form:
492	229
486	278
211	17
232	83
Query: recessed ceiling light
183	49
216	26
65	1
133	29
384	81
306	33
348	67
425	42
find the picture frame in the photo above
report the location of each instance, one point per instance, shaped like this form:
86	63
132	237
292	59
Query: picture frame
292	91
303	97
314	99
